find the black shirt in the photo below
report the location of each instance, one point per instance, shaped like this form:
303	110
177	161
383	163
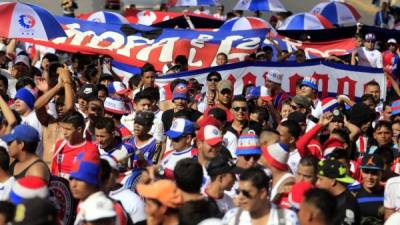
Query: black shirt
347	210
370	204
168	116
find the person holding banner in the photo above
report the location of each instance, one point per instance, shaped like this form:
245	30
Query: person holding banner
367	55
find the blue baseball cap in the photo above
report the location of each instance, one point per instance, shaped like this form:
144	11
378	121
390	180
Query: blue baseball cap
180	127
22	132
180	92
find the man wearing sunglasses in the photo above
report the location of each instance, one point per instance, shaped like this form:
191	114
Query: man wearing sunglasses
254	204
208	98
240	114
248	151
370	194
367	55
181	134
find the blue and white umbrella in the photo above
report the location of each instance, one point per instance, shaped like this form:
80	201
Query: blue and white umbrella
180	3
107	17
260	5
20	20
338	13
305	21
246	23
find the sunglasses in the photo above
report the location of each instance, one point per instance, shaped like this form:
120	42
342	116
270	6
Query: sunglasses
213	80
370	171
237	109
226	92
255	157
244	193
370	41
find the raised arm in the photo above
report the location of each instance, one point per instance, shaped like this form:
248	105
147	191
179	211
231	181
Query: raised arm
8	115
65	76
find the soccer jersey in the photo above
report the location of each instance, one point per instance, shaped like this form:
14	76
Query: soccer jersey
64	155
147	150
170	160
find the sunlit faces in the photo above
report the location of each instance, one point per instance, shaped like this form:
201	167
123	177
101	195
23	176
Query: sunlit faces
371	178
148	79
240	110
225	96
249	197
180	103
21	107
103	137
305	173
383	135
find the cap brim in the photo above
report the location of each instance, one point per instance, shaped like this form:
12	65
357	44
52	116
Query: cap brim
214	141
371	167
254	151
173	134
123	91
266	98
8	138
347	179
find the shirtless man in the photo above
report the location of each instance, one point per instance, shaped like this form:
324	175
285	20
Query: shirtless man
63	96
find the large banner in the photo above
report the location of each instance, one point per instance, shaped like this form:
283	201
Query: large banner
333	79
138	44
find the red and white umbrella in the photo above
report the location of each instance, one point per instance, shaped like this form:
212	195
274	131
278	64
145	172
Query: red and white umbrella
107	17
20	20
246	23
305	21
338	13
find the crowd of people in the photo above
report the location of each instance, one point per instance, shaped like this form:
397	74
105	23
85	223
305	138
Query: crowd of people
130	155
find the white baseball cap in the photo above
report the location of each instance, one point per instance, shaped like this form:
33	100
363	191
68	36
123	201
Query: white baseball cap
98	206
22	59
275	76
392	40
210	134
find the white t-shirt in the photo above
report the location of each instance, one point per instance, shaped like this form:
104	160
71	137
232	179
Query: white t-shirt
370	58
32	120
225	203
392	194
5	188
317	110
230	141
157	130
169	161
132	203
11	91
289	217
293	161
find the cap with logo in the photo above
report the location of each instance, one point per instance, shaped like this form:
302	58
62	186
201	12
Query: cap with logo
333	169
115	106
370	37
22	132
88	92
274	76
248	144
373	162
210	134
310	82
180	127
219	165
117	87
97	206
180	92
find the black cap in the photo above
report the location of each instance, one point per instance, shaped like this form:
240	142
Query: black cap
144	118
297	117
88	92
335	170
373	162
219	165
35	211
360	114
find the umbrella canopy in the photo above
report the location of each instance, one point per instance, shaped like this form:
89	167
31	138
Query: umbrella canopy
245	23
305	21
338	13
260	5
107	17
180	3
20	20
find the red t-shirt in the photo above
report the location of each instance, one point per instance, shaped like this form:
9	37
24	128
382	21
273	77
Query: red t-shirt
62	162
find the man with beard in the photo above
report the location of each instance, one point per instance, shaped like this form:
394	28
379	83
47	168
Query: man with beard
63	96
95	111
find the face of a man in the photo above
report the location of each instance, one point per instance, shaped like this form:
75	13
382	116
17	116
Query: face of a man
324	183
103	137
370	45
80	189
143	105
371	178
148	79
284	136
240	110
383	135
181	143
225	96
21	107
95	109
387	112
221	60
209	152
396	130
307	91
250	197
305	173
374	90
180	104
247	161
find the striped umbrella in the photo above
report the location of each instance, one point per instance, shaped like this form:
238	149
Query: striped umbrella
20	20
245	23
107	17
180	3
338	13
260	5
305	21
